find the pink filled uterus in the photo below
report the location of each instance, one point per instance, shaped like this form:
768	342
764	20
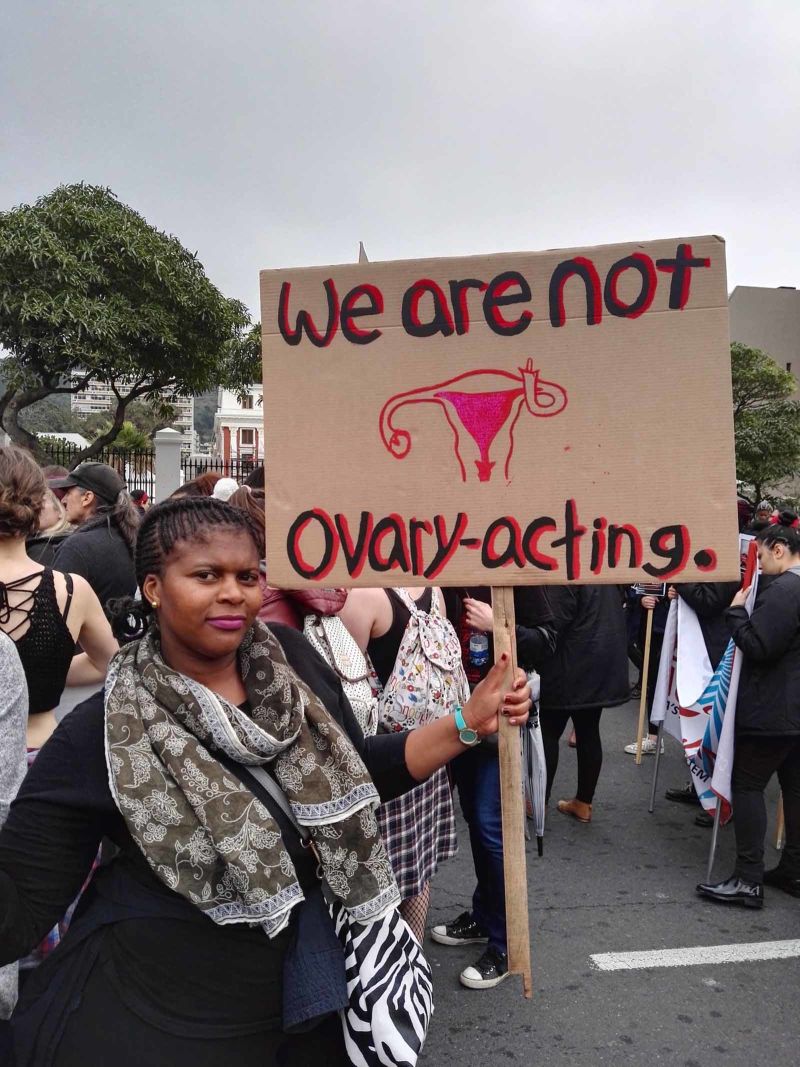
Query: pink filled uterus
482	415
481	412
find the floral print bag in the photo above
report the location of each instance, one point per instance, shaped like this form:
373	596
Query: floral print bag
428	679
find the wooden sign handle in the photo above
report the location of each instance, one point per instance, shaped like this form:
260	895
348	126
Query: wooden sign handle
518	931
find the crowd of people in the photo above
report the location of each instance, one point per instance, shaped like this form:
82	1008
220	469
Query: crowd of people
172	849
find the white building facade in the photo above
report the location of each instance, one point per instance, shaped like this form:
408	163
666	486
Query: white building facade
238	426
98	396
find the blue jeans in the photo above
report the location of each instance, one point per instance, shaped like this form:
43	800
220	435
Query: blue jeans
477	776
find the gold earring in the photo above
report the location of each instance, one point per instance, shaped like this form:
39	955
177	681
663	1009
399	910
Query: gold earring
154	603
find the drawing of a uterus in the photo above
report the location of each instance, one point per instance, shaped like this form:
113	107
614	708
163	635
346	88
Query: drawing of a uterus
485	403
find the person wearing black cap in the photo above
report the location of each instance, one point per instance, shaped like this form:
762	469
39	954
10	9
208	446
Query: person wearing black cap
101	549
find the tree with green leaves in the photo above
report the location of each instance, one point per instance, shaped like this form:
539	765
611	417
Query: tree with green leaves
243	363
766	421
88	289
50	417
143	417
131	439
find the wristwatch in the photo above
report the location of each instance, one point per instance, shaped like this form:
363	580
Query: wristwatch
466	735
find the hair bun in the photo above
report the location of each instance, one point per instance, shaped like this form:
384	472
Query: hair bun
788	518
22	489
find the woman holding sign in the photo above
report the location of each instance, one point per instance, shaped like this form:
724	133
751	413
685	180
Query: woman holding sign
186	945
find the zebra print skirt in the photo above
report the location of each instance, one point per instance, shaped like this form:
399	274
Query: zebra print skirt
419	831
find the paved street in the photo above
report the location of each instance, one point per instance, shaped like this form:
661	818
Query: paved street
624	883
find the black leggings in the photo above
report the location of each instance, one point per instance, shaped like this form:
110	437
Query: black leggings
588	744
755	761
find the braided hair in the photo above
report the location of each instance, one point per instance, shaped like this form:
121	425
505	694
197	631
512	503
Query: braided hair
160	532
785	532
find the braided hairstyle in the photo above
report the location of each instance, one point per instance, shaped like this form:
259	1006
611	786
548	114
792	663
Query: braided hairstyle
162	529
785	531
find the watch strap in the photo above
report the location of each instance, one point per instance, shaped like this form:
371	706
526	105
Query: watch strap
466	734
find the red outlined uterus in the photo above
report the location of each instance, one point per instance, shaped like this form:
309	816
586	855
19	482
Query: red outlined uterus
482	403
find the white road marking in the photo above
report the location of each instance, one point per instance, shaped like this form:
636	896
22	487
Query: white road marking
696	957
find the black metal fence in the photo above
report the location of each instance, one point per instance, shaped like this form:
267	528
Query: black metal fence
195	465
137	467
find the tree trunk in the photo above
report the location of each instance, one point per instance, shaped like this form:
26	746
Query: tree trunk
18	401
5	400
14	401
106	438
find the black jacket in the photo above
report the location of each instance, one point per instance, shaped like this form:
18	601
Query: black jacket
98	552
710	600
769	688
44	548
589	668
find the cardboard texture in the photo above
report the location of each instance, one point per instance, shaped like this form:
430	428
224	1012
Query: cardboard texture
480	420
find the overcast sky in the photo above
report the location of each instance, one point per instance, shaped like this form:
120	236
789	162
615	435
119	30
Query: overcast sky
267	134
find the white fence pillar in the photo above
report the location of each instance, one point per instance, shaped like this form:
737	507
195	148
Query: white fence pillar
168	463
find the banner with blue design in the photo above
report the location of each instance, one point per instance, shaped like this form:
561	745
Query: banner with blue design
697	702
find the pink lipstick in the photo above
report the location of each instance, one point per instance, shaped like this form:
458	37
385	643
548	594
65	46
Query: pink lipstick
227	622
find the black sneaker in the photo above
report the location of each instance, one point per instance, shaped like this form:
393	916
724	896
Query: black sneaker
488	971
686	794
462	931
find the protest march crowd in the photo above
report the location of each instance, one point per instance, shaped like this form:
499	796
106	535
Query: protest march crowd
263	784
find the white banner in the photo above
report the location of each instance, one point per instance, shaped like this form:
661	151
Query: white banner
697	704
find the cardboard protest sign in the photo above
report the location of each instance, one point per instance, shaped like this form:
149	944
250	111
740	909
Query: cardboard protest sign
469	421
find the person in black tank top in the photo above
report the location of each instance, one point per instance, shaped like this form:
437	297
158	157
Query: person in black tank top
418	829
383	650
36	608
44	613
45	646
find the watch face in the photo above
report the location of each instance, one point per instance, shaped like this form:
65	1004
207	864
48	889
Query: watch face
468	737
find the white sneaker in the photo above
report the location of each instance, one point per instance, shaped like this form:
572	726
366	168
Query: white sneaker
648	747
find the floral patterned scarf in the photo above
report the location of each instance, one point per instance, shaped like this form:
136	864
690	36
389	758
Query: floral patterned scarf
201	829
